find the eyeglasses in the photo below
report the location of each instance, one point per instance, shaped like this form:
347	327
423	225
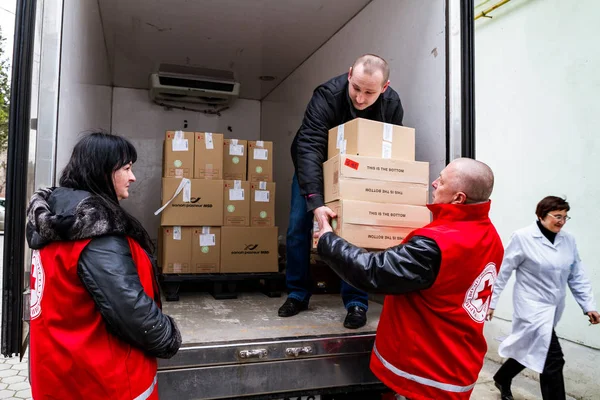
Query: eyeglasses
560	217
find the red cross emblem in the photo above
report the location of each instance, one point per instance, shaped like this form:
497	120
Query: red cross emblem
477	298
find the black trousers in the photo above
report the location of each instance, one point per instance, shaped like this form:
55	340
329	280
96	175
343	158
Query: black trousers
552	382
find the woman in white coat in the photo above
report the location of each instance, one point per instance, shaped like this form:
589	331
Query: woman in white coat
546	260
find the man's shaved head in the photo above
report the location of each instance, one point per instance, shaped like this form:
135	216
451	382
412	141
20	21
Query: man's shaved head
464	180
371	63
474	178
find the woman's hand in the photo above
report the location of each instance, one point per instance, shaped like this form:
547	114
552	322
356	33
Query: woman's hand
490	314
594	317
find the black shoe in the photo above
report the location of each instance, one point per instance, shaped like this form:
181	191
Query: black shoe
356	317
505	393
291	307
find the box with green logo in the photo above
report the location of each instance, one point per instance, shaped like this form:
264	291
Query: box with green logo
208	155
236	206
235	159
178	155
262	204
260	161
174	250
206	250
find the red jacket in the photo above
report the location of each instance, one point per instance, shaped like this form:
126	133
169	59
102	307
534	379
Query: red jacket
429	342
73	355
96	322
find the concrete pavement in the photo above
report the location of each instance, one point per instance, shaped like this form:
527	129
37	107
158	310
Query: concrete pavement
14	383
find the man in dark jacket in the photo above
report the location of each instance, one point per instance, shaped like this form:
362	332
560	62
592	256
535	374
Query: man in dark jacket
438	285
363	92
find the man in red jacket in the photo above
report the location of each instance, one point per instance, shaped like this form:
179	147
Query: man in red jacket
438	282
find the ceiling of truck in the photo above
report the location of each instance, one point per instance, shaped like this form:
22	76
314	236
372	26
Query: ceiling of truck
252	38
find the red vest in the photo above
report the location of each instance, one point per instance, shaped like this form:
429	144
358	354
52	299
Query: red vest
72	353
430	343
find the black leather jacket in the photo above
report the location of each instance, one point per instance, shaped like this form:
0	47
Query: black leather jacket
404	268
329	107
105	267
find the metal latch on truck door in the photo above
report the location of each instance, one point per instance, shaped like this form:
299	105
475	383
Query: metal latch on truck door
257	353
298	351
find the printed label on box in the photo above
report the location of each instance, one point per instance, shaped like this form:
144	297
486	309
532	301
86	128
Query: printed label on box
261	154
207	239
209	141
179	143
261	196
176	233
236	194
236	149
351	164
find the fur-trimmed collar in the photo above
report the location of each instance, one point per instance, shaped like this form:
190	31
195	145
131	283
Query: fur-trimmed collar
63	214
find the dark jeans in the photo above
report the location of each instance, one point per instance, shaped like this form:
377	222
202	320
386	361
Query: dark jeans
298	246
552	382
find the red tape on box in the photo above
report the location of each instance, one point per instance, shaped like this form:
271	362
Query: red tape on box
351	164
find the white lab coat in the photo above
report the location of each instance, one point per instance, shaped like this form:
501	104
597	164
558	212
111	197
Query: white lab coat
543	270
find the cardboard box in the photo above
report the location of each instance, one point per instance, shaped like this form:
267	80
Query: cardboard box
208	155
249	249
374	191
206	250
203	208
178	154
372	139
175	244
235	159
381	214
260	161
369	237
370	168
236	207
262	204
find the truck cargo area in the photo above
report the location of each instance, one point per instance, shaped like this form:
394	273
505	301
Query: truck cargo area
95	65
278	354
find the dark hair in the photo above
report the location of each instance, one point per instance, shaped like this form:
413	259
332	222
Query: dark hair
551	203
95	158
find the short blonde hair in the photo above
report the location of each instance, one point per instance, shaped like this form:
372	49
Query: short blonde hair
372	63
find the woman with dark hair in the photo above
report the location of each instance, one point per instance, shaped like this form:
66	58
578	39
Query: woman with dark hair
96	321
546	261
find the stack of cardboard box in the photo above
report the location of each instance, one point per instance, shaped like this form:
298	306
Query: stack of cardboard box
373	183
218	199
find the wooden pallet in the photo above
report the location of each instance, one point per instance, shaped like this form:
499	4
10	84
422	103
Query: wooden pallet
223	286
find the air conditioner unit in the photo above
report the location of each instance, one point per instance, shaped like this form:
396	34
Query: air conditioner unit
182	84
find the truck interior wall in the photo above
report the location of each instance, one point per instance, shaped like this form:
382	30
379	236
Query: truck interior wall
85	79
537	127
411	36
136	117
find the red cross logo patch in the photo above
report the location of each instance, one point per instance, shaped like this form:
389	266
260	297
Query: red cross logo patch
38	280
479	295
